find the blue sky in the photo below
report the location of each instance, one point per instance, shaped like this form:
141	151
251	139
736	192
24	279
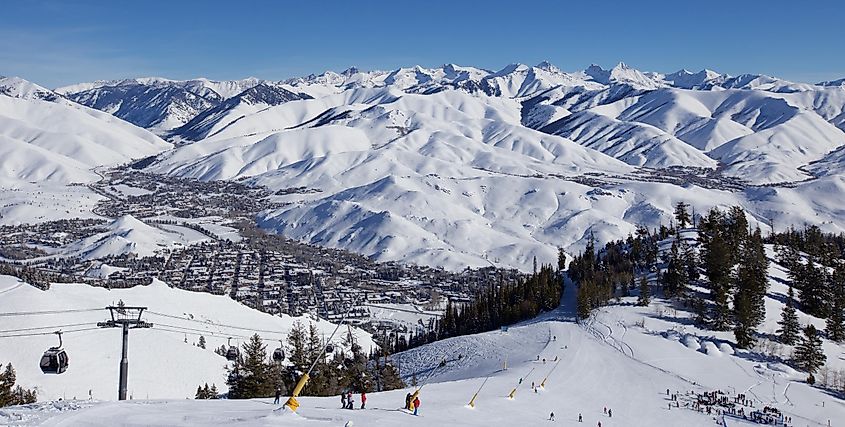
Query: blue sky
66	41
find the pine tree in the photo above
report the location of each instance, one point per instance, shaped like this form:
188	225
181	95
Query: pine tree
297	343
682	215
584	299
789	326
809	355
835	324
645	292
202	342
750	282
10	394
675	279
249	377
717	262
811	281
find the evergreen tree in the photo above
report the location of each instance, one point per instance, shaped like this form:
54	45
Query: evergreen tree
298	354
750	282
675	278
202	342
717	262
809	355
249	377
682	215
10	394
835	325
645	292
789	326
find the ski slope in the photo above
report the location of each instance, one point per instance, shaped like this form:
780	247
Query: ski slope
608	361
162	364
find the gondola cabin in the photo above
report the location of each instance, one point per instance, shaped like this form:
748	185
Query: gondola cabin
278	355
54	361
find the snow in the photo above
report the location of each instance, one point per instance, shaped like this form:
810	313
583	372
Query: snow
130	235
610	361
162	365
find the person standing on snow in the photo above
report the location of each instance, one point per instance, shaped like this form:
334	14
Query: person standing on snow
416	405
610	413
342	400
278	395
552	416
580	419
350	403
363	399
408	401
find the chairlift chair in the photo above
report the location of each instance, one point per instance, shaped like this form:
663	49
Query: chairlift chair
54	360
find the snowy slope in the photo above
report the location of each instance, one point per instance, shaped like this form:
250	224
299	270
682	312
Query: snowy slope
60	141
162	365
127	235
611	361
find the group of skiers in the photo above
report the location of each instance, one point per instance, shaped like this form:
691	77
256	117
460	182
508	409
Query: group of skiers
347	402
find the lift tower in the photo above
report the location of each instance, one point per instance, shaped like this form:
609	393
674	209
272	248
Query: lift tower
126	317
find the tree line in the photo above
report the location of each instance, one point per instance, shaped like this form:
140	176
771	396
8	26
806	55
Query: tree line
254	374
718	270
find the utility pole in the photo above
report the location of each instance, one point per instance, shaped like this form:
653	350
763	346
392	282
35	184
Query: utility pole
125	317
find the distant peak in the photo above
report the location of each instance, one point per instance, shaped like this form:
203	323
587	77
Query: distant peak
350	71
547	66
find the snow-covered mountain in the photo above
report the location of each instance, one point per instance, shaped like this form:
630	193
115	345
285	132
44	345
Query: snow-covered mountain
44	137
457	165
156	103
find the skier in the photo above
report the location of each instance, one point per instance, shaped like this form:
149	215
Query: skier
363	400
278	395
408	401
605	410
552	416
342	400
599	423
580	419
349	401
520	381
610	413
416	405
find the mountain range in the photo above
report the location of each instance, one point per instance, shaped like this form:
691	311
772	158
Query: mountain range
457	165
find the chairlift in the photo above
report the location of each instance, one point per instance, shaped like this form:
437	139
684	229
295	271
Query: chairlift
232	354
54	360
279	354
